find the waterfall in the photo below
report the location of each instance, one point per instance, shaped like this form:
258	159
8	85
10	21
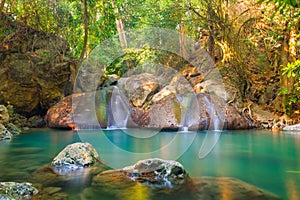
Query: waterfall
216	115
190	111
120	110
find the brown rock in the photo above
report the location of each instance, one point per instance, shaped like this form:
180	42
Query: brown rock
59	116
140	87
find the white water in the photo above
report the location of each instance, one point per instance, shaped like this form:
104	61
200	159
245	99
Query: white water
120	109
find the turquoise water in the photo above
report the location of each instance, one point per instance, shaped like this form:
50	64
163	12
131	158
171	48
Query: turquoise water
269	161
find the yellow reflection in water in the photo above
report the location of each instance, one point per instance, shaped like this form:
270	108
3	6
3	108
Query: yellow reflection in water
136	192
292	192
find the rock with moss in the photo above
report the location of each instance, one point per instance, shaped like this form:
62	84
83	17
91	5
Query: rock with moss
75	156
17	191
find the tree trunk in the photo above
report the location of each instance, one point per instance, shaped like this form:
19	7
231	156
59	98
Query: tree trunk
183	43
2	2
288	54
86	29
211	40
120	27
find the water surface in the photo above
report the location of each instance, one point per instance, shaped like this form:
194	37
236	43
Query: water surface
269	161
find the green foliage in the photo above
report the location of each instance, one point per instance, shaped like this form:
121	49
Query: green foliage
292	71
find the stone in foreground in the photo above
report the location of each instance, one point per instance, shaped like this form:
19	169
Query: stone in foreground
156	172
17	191
76	156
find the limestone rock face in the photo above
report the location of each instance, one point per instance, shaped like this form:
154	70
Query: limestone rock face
74	156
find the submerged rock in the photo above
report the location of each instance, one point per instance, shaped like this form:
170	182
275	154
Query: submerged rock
147	180
17	191
75	156
210	188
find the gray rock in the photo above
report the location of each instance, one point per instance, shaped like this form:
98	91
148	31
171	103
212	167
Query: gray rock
13	129
36	121
17	191
4	133
295	127
76	156
156	171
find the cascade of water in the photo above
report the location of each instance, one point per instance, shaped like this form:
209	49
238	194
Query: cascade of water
215	113
190	110
120	110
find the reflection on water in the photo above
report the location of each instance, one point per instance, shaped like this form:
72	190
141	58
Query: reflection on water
269	161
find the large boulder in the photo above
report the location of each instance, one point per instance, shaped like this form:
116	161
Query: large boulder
156	171
75	156
34	72
17	191
155	179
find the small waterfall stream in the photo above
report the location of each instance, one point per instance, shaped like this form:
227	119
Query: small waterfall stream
120	110
190	112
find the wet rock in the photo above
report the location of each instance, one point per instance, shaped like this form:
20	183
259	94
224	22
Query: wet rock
48	177
115	184
295	127
17	191
75	156
36	122
155	171
4	115
210	188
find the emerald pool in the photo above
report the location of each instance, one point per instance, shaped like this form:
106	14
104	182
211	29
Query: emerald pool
267	160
